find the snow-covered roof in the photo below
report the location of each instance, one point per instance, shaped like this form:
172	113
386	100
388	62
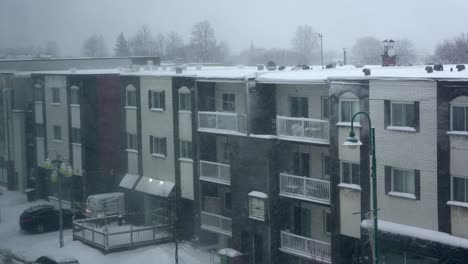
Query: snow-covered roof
128	181
258	194
106	195
417	232
154	186
112	71
232	253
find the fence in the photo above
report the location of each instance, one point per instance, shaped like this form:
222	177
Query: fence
306	247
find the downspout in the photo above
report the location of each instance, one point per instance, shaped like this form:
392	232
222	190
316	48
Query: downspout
247	106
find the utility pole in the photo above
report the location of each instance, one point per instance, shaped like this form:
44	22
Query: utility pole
321	48
344	56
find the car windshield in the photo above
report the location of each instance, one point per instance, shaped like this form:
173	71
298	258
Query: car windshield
234	132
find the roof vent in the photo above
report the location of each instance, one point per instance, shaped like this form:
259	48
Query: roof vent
73	70
198	67
178	70
438	67
461	67
271	65
429	69
281	68
260	67
305	67
366	71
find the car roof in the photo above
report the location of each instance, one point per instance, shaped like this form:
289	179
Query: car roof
39	207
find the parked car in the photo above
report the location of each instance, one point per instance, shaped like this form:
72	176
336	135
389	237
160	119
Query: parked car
98	205
55	260
42	218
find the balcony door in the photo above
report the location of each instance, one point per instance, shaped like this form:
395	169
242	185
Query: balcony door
302	222
301	164
298	106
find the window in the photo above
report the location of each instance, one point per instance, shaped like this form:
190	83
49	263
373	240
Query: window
186	149
74	95
40	130
325	107
298	106
402	114
403	181
184	102
460	189
76	135
56	95
227	200
37	93
131	96
224	156
350	173
459	118
132	143
257	208
158	146
57	133
156	100
325	166
348	107
327	222
301	163
229	102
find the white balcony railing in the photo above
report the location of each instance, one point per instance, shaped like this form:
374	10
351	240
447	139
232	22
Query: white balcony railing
305	247
304	129
222	122
216	223
310	189
215	172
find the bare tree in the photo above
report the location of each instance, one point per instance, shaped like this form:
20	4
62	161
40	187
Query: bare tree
367	50
305	43
143	43
203	41
452	51
95	46
405	51
174	46
121	46
160	44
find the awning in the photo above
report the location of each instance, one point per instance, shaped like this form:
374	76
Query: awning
129	181
154	186
258	194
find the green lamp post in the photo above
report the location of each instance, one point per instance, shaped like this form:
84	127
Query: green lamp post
353	142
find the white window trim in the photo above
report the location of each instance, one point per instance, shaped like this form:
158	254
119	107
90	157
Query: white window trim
457	132
222	102
130	107
345	184
401	194
126	99
250	208
402	128
300	103
56	104
131	150
156	110
322	106
159	92
325	212
57	141
186	160
342	123
451	188
158	155
188	94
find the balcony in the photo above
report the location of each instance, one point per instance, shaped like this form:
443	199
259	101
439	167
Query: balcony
215	172
222	123
216	223
305	247
302	129
309	189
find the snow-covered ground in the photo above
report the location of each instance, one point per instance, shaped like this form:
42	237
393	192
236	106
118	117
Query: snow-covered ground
32	246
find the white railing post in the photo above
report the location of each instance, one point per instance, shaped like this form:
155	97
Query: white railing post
219	171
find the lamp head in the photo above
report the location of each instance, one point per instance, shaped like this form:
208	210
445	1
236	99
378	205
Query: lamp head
352	141
47	164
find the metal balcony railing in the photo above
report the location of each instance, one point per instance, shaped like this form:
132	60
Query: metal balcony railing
215	172
216	223
302	129
305	188
305	247
222	122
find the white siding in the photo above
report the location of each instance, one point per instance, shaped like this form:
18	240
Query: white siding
459	220
350	203
313	92
75	116
77	165
38	113
186	178
407	150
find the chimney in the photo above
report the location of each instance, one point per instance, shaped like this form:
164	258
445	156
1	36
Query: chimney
461	67
429	69
389	58
366	71
438	67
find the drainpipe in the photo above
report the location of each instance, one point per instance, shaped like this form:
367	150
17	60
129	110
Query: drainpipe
247	104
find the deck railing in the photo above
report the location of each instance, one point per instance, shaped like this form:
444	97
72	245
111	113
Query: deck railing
298	128
222	122
215	172
216	223
305	188
95	232
306	247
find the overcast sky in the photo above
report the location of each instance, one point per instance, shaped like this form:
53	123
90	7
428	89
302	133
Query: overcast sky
239	22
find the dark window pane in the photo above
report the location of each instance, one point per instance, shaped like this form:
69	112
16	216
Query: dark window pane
355	174
459	190
458	118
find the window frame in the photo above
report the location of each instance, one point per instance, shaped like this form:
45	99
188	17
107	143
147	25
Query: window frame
257	213
75	135
157	100
300	106
183	154
74	95
158	146
465	106
228	105
55	92
55	129
392	185
327	222
406	124
132	142
452	189
327	98
185	97
340	117
342	162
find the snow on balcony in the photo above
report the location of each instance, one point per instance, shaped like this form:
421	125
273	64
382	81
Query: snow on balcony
305	188
215	172
222	122
305	247
216	223
302	129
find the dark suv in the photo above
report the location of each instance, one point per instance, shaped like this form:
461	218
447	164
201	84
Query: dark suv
41	218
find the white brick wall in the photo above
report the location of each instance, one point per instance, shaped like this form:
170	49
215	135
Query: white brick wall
407	150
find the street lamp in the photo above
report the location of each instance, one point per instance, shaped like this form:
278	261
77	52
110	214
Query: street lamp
353	142
60	168
321	47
